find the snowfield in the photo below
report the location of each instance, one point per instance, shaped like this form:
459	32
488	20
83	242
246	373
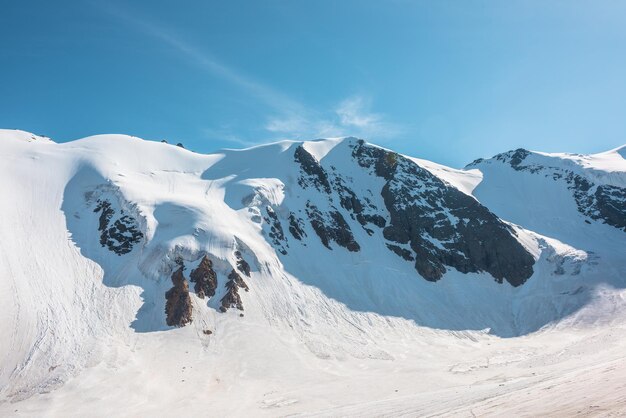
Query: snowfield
92	231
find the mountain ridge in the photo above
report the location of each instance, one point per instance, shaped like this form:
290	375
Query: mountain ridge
345	243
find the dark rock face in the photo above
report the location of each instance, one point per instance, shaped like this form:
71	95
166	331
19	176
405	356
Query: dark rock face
120	235
364	213
515	159
313	173
296	227
365	218
232	299
424	220
178	305
242	265
518	156
442	225
601	203
276	233
402	252
205	278
347	198
604	203
332	226
610	203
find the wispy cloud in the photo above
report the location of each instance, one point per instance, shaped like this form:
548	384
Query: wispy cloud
352	116
290	118
274	99
225	133
356	112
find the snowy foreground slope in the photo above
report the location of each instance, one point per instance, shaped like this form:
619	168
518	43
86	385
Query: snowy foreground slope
328	277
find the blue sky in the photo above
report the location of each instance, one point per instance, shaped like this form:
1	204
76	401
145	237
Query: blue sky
448	81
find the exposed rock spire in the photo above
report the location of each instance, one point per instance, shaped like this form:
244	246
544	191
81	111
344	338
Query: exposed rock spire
178	305
204	278
232	299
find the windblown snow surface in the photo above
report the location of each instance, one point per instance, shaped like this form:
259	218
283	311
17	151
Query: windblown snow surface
325	330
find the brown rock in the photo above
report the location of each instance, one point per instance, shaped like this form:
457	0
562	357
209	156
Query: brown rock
178	305
232	299
205	278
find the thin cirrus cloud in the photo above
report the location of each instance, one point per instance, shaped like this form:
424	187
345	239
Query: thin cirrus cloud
351	113
352	116
355	112
290	118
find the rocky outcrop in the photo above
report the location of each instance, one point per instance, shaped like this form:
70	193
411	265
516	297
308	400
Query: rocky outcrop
361	208
441	225
424	220
402	252
204	278
331	226
118	235
312	172
242	265
178	302
516	158
296	227
368	218
347	198
276	232
604	203
610	204
232	299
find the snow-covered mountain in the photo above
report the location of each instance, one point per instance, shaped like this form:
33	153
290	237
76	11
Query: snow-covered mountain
230	277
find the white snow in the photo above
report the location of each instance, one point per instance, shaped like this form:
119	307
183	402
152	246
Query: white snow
464	180
321	147
328	333
603	168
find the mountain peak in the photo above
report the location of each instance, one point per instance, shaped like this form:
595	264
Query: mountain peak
23	136
621	151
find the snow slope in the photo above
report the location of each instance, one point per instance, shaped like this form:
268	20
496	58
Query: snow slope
326	329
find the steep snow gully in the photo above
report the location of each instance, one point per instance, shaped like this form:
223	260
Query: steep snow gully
322	261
